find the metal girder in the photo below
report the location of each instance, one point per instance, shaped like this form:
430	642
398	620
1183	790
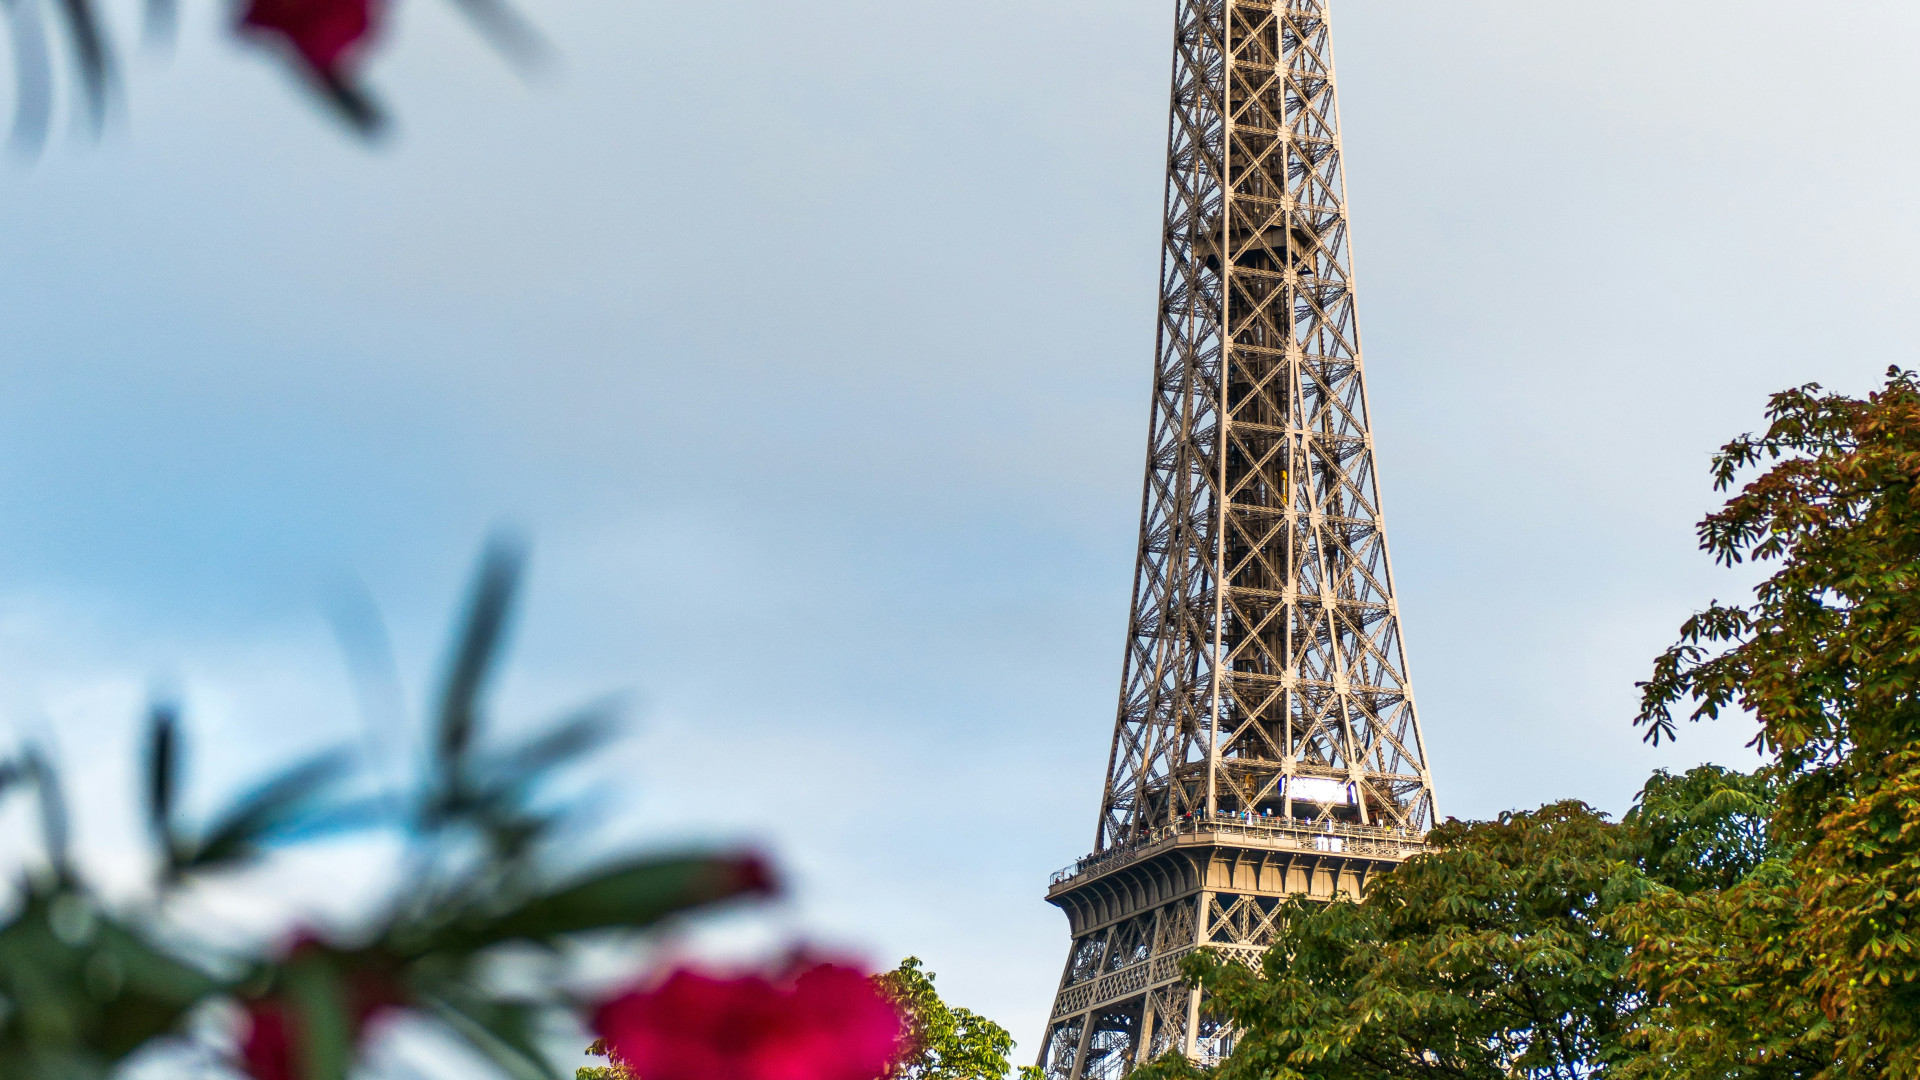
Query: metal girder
1265	680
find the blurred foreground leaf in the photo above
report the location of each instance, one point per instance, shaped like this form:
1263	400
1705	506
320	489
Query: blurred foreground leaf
84	986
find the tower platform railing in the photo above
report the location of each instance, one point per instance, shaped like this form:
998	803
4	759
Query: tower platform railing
1330	837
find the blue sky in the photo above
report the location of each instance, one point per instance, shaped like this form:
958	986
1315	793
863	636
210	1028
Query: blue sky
811	344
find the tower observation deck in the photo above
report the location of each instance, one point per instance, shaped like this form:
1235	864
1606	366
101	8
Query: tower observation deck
1267	744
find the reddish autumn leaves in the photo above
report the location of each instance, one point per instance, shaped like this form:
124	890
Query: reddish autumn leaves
819	1022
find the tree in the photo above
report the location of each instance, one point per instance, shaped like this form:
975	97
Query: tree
943	1042
612	1070
1730	927
1827	660
1710	943
1500	954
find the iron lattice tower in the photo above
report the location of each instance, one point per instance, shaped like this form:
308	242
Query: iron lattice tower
1267	744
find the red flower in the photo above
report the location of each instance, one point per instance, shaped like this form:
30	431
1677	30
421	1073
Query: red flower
274	1041
323	32
751	875
825	1022
267	1052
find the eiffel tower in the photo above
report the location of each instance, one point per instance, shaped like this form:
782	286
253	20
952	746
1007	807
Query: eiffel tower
1267	744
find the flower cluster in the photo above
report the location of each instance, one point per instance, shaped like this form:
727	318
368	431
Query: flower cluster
820	1021
813	1021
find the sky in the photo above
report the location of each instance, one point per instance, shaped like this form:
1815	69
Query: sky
811	344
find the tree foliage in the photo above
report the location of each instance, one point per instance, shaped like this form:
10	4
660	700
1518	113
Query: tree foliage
1827	660
1500	955
944	1042
1730	927
612	1070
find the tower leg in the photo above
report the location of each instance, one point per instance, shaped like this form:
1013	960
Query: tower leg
1143	1045
1193	1023
1080	1054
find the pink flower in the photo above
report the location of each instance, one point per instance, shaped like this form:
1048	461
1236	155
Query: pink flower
323	32
823	1022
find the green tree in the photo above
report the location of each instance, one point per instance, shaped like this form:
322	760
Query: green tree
943	1042
612	1070
1733	928
1827	660
1711	943
1504	953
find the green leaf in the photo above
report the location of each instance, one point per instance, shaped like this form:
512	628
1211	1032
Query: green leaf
84	986
569	738
54	829
626	897
502	1032
237	835
319	998
489	607
163	766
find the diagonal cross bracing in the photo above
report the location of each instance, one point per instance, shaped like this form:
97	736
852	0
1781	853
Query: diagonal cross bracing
1262	552
1265	666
